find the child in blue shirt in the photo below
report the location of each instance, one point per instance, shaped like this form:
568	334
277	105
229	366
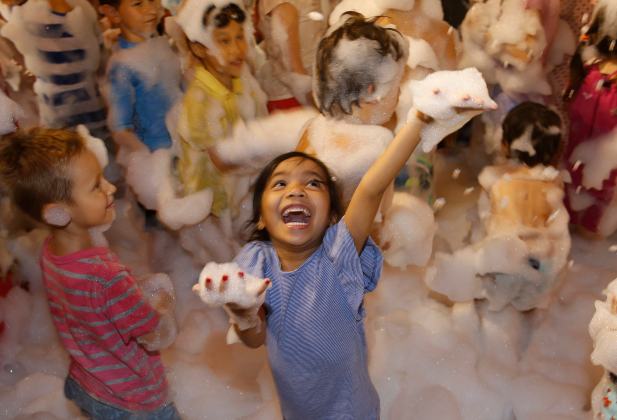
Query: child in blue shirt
143	75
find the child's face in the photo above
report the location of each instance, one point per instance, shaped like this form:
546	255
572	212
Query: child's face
92	196
138	19
231	45
295	206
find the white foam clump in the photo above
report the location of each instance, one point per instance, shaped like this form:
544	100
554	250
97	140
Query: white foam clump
523	143
155	62
408	229
515	263
94	145
240	287
603	332
225	284
254	143
369	8
10	112
150	177
348	150
421	54
451	98
599	157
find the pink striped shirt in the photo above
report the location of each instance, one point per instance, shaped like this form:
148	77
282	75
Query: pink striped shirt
98	311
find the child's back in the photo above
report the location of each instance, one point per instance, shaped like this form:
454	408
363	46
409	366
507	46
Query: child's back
62	50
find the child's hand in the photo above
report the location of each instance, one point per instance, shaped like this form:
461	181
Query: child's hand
446	100
159	292
240	294
163	336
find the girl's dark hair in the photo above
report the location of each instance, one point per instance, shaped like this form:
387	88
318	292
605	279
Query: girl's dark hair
606	46
336	207
336	92
545	142
225	15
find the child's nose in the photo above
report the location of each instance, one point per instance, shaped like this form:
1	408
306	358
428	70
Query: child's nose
109	187
296	191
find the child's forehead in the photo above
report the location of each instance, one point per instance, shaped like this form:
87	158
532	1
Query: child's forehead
84	166
298	165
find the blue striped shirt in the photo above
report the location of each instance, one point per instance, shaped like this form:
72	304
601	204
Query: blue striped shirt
315	326
62	51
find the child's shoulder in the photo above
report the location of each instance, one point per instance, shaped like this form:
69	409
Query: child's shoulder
98	263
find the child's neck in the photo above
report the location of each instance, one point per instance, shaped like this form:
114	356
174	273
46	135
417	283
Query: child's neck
60	6
225	79
292	259
69	240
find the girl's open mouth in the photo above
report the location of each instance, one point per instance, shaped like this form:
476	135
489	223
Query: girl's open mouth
296	216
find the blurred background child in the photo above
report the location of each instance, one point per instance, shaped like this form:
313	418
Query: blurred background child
60	42
143	76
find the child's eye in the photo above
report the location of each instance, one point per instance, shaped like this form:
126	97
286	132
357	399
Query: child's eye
315	183
279	184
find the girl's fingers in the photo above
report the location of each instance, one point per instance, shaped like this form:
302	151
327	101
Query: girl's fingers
263	287
224	283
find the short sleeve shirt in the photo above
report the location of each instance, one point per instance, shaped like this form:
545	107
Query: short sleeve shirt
315	326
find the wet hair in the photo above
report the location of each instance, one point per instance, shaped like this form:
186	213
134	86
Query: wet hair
113	3
545	142
596	36
224	15
338	84
33	167
336	206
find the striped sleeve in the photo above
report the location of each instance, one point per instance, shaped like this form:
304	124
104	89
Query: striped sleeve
359	274
126	307
252	258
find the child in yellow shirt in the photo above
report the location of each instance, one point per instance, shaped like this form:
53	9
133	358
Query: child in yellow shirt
221	92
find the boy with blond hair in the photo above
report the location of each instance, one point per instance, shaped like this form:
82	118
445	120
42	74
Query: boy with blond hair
104	322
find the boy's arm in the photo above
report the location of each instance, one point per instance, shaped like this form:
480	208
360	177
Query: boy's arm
122	108
128	139
135	309
367	197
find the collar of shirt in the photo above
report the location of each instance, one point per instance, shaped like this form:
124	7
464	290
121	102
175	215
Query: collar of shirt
123	43
215	87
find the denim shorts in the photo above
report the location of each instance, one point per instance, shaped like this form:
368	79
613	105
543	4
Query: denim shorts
97	410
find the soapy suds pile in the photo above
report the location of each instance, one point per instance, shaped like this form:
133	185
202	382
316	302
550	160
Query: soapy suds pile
427	359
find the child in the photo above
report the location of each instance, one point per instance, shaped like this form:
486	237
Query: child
316	346
60	42
526	240
103	321
221	93
593	90
143	76
290	42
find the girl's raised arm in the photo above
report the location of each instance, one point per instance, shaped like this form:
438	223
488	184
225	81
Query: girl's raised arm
367	197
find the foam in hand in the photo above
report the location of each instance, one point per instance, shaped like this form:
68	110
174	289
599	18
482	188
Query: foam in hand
221	284
450	98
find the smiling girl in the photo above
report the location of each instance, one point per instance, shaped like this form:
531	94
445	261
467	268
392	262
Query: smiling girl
321	265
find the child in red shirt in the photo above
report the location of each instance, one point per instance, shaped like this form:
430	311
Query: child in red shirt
104	322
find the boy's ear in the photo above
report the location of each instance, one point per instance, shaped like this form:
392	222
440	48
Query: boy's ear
110	13
260	224
56	215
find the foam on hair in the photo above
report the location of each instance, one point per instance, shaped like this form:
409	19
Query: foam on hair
354	55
